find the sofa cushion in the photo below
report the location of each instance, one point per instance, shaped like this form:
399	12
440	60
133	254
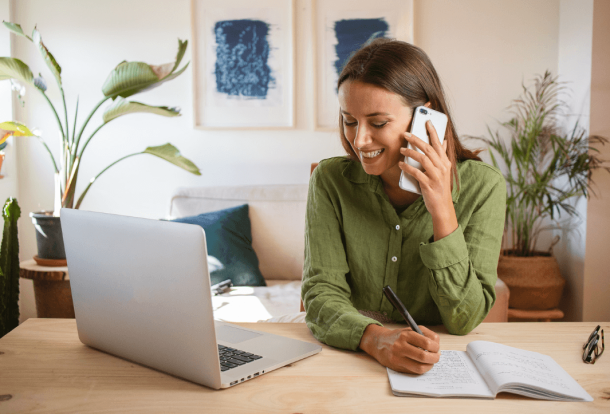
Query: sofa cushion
229	239
277	214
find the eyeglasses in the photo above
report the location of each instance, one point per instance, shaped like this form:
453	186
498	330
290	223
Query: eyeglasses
592	349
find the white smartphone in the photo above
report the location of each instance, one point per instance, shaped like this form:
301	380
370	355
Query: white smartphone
418	128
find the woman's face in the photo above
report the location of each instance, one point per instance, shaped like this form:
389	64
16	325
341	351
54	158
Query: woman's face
374	121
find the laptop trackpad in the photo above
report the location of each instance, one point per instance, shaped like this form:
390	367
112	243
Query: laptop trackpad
233	335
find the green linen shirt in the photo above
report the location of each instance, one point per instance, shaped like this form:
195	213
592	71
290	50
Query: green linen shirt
356	243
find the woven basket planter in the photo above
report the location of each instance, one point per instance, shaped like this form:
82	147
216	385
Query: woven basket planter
535	282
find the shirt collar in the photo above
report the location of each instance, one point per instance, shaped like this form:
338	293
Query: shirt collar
356	174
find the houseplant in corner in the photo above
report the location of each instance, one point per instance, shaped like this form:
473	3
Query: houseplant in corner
127	79
546	169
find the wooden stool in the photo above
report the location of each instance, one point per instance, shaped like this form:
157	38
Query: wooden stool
51	289
534	314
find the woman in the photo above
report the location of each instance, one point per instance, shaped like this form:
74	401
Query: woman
438	251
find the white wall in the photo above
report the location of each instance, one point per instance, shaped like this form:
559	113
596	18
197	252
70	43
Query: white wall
8	184
596	286
575	50
482	50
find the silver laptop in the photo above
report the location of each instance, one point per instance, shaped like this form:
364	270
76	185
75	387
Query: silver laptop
141	291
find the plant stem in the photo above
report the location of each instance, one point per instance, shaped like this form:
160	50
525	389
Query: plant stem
82	129
75	116
63	98
50	153
89	139
82	196
68	144
67	199
61	128
73	152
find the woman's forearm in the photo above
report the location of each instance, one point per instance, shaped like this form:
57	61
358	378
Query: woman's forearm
444	221
368	342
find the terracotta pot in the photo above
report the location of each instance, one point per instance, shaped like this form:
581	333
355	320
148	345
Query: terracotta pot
535	282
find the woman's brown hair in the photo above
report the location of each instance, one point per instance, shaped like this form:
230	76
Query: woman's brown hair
405	70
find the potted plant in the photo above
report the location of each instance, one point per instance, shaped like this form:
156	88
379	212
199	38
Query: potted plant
9	268
127	79
545	170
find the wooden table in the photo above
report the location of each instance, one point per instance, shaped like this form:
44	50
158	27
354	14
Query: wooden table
45	368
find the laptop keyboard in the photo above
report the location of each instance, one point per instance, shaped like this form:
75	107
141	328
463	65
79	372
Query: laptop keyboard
231	357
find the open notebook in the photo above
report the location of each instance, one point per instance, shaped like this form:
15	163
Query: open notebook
488	368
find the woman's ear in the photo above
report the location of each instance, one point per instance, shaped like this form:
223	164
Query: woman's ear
427	104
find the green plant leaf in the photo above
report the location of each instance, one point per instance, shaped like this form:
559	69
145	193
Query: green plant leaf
13	128
124	107
129	78
47	56
171	154
11	68
182	45
16	28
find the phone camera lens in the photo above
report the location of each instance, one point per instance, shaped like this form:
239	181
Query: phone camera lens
423	111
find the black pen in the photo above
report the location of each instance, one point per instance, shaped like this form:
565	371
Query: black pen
401	308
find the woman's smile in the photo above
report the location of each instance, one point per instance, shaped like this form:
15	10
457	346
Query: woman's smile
371	154
374	120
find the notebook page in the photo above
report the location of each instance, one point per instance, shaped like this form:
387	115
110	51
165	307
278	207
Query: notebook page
454	375
503	365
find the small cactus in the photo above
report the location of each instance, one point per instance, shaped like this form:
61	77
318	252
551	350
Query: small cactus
9	268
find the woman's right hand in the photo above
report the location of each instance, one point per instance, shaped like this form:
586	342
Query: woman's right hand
399	349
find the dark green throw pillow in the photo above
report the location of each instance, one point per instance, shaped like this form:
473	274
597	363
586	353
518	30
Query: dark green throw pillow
229	239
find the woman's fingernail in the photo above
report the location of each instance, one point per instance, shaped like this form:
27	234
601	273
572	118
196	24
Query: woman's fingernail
408	134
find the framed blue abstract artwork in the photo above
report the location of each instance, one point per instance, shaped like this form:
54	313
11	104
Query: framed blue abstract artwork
340	28
243	59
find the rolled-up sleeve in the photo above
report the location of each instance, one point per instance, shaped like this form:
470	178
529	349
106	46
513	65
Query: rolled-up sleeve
463	265
326	294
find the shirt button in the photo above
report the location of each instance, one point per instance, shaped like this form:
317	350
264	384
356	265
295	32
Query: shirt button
397	227
394	259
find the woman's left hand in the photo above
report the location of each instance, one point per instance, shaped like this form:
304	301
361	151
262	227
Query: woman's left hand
434	181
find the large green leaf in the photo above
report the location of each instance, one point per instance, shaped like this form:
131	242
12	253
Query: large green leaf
124	107
47	56
13	128
129	78
171	154
16	28
11	68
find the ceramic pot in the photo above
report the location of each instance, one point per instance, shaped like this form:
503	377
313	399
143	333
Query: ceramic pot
535	282
49	238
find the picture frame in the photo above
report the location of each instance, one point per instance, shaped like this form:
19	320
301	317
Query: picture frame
341	27
243	64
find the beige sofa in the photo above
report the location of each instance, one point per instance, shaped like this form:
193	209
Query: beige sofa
277	215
